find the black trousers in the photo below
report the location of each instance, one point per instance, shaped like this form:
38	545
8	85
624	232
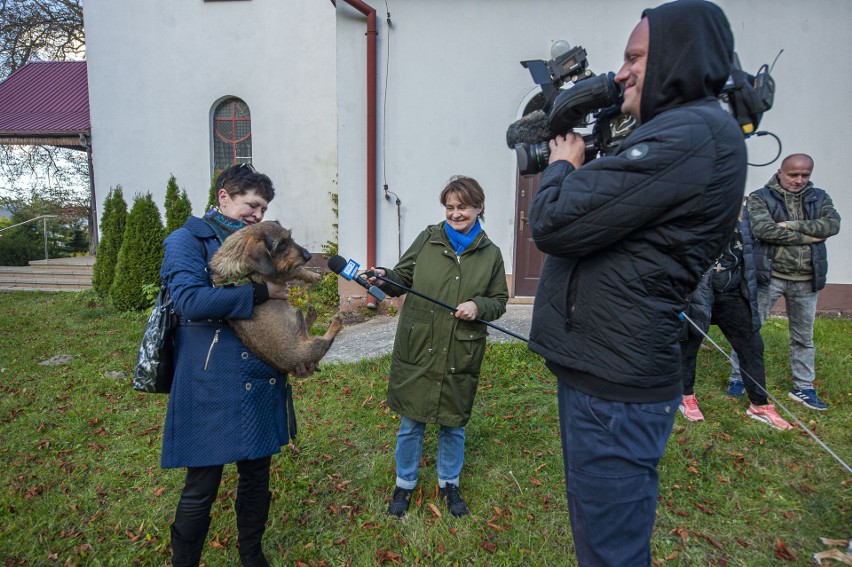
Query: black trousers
192	518
732	314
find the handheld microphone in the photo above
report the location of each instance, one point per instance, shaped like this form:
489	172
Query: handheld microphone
348	270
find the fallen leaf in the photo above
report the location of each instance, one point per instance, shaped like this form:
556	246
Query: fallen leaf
488	546
681	532
712	541
783	552
434	510
385	556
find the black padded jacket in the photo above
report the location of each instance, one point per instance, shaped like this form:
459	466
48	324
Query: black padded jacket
628	236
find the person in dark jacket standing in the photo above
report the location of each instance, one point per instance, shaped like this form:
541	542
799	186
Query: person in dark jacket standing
627	238
790	218
727	297
226	405
437	353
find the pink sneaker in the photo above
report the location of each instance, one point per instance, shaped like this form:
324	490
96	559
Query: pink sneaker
689	408
768	415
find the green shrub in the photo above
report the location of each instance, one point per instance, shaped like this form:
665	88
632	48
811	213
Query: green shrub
19	245
113	224
140	256
322	297
177	205
212	199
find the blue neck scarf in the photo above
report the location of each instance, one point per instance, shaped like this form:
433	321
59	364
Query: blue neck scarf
221	224
461	241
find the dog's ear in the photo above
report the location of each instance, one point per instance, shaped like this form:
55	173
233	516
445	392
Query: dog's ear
258	257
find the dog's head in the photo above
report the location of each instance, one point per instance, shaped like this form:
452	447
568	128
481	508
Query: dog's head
265	250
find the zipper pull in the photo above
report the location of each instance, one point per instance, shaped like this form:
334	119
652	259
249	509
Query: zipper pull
210	350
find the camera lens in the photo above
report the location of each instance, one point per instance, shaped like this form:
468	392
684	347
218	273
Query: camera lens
532	158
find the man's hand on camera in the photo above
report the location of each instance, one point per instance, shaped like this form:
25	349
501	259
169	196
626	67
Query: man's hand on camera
571	147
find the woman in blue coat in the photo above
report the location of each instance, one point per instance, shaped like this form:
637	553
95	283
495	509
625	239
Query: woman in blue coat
225	406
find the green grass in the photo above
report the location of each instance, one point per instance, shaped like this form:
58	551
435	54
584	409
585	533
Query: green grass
80	482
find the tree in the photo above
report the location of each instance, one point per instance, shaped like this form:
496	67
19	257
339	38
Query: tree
140	257
39	30
42	30
27	242
212	199
113	225
178	207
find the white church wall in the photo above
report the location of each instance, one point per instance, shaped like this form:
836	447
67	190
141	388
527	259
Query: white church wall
450	82
157	67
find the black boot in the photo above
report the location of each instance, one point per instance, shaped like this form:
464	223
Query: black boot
251	523
187	543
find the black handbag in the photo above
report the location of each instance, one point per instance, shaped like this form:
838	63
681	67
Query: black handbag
155	366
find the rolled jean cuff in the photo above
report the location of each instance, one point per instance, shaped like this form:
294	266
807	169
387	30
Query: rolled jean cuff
406	484
443	483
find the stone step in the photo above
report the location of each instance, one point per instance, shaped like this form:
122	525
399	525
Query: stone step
41	270
59	274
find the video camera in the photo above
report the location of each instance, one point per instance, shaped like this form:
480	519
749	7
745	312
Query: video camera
595	100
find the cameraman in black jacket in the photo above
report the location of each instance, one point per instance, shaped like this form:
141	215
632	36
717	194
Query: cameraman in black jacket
628	237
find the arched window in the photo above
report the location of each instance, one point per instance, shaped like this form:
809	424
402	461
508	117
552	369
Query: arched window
231	133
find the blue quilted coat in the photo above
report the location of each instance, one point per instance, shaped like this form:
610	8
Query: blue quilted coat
225	405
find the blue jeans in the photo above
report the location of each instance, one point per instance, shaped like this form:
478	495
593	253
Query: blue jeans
610	451
801	300
409	447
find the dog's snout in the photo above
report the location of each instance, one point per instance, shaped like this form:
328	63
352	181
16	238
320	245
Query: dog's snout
306	255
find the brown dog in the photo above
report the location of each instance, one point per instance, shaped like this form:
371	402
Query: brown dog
277	332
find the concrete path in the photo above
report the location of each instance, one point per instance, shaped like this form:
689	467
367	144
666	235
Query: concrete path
375	336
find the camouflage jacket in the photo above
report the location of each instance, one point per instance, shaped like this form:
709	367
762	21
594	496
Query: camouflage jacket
791	253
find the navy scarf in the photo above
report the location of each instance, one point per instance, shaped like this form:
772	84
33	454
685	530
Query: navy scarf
223	225
461	241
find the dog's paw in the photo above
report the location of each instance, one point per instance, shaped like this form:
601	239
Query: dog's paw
336	323
309	276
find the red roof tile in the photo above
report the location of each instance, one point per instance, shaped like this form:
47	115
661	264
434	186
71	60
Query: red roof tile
50	97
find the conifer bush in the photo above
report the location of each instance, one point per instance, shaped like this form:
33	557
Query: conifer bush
212	199
177	205
140	256
113	223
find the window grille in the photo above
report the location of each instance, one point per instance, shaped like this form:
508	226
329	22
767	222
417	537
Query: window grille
231	134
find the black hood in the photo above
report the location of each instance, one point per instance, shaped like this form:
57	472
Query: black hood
690	55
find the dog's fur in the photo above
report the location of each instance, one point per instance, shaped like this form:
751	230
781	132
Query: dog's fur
277	332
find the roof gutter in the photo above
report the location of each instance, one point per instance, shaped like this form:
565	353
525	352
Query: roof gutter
372	33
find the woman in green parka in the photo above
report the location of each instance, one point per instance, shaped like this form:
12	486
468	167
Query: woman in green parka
437	353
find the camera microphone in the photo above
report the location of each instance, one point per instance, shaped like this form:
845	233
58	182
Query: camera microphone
530	129
348	269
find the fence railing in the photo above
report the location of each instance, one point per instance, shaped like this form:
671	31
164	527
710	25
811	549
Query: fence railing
40	217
